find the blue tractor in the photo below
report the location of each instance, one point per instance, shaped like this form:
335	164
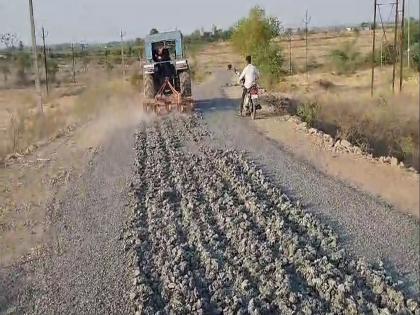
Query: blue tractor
166	63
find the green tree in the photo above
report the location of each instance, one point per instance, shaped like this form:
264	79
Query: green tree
254	31
253	36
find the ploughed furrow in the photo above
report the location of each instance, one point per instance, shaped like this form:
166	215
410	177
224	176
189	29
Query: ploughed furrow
212	235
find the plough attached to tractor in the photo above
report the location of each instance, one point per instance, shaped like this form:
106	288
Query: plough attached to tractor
168	99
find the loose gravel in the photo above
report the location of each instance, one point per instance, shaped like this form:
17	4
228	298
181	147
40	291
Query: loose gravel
210	234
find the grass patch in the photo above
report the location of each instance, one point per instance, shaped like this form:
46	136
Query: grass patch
384	125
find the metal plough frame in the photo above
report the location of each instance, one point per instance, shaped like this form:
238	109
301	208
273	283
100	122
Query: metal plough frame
175	100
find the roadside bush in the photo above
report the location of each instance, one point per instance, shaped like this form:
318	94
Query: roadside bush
52	70
23	62
308	112
389	54
269	60
415	57
5	70
345	59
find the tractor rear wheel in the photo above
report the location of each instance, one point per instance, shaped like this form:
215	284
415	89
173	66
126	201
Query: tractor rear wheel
185	83
149	86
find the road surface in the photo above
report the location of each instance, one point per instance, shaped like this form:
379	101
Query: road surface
217	219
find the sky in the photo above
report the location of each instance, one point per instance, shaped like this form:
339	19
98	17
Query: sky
102	20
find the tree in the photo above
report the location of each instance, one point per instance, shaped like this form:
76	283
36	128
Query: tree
253	35
255	31
8	40
153	31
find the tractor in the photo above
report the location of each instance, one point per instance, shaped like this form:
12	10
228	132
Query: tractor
166	73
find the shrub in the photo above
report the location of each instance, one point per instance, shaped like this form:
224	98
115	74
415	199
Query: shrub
52	70
308	112
345	59
389	54
269	61
23	62
415	55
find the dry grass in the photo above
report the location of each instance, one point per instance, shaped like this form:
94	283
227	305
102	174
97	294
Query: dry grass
320	46
386	124
213	56
22	125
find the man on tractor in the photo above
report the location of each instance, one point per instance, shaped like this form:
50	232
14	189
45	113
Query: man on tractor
248	79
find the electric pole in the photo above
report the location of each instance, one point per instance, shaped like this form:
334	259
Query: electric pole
122	54
45	61
408	34
290	53
373	47
35	56
402	45
395	45
74	63
307	21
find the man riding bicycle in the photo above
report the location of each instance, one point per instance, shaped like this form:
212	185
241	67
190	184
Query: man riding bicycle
249	78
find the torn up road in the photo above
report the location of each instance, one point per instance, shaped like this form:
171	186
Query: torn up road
211	234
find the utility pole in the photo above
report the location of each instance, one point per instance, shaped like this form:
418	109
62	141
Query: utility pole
45	61
395	45
373	47
307	21
290	54
122	54
74	63
408	34
402	45
35	56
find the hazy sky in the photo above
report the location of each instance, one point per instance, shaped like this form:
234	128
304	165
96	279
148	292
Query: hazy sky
101	20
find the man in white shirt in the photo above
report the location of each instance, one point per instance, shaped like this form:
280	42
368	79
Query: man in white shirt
249	76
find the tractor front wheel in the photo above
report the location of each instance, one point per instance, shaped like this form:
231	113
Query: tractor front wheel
149	86
185	83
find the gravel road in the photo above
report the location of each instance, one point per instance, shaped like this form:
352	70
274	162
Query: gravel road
217	219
